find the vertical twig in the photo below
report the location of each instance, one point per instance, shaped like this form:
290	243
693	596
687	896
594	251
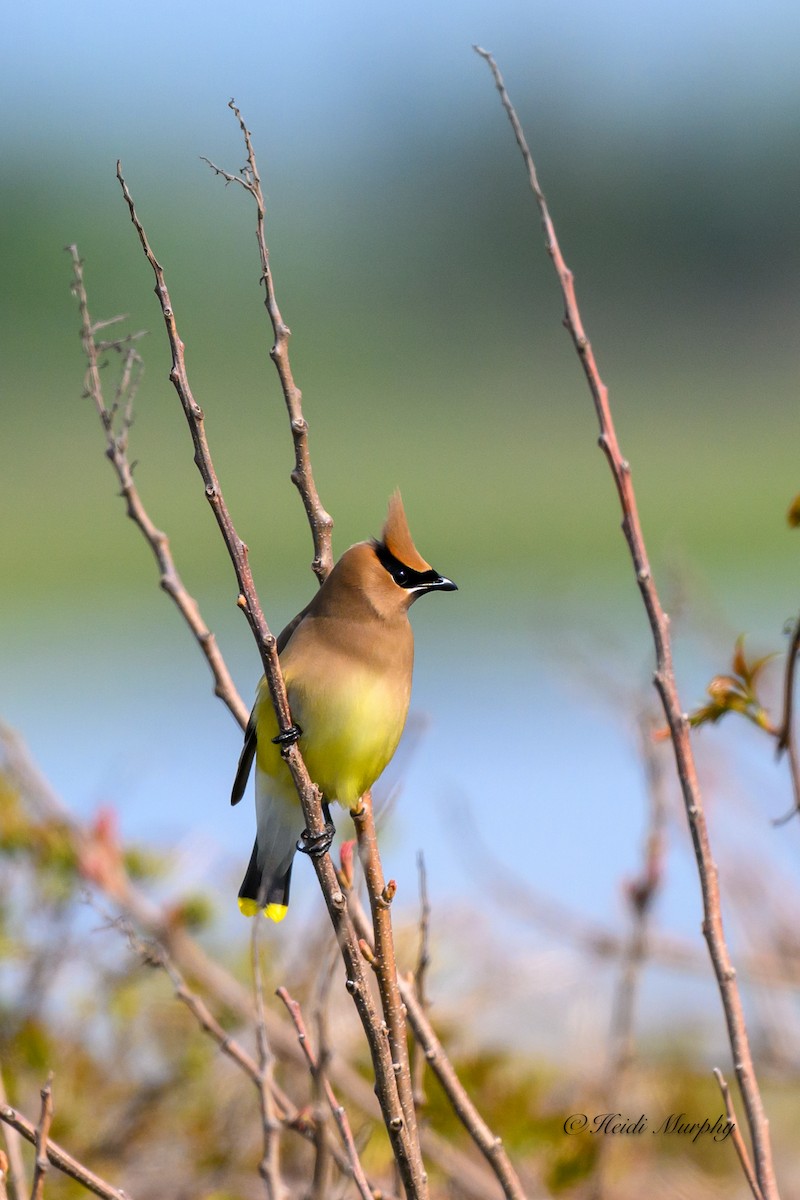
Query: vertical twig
787	740
269	1168
14	1167
664	680
42	1164
736	1137
420	977
320	521
339	1114
641	893
381	895
490	1145
319	1016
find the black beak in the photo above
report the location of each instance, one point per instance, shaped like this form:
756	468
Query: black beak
440	584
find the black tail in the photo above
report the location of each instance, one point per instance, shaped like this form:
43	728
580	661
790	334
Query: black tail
262	889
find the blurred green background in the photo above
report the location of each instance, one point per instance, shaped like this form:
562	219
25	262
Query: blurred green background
409	263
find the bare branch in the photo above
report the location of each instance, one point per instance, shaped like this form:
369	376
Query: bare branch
406	1151
302	476
320	523
420	977
14	1166
641	893
42	1164
787	739
339	1114
116	452
60	1159
664	680
269	1167
384	964
736	1137
436	1057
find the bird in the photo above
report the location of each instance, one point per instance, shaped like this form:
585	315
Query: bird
347	661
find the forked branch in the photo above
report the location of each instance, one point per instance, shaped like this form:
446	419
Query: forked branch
404	1145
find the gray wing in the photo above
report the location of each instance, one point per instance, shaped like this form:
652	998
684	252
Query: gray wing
249	748
245	761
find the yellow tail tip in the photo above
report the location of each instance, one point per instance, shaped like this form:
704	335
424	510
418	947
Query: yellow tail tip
249	908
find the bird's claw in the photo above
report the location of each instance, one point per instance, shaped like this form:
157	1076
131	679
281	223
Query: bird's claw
288	737
317	844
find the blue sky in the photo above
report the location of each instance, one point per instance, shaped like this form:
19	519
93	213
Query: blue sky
331	75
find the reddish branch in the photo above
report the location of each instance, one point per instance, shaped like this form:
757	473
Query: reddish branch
405	1148
664	680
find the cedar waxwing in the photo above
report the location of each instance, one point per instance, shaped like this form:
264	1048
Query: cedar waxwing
347	661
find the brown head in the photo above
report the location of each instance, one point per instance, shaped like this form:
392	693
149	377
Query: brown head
389	574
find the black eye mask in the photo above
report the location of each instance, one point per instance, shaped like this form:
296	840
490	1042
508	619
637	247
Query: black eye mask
406	577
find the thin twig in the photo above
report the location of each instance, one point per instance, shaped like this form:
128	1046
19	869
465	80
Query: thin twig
785	733
319	520
41	1163
339	1114
117	453
736	1137
60	1159
420	977
319	1016
641	893
436	1057
15	1167
384	962
405	1150
664	680
269	1167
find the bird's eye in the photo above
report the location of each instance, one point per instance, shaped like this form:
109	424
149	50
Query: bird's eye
401	575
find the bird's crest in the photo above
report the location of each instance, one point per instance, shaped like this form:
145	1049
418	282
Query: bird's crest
397	539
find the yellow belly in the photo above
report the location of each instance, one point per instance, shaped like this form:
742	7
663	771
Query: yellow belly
349	733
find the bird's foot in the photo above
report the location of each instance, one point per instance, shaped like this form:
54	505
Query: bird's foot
317	844
288	737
